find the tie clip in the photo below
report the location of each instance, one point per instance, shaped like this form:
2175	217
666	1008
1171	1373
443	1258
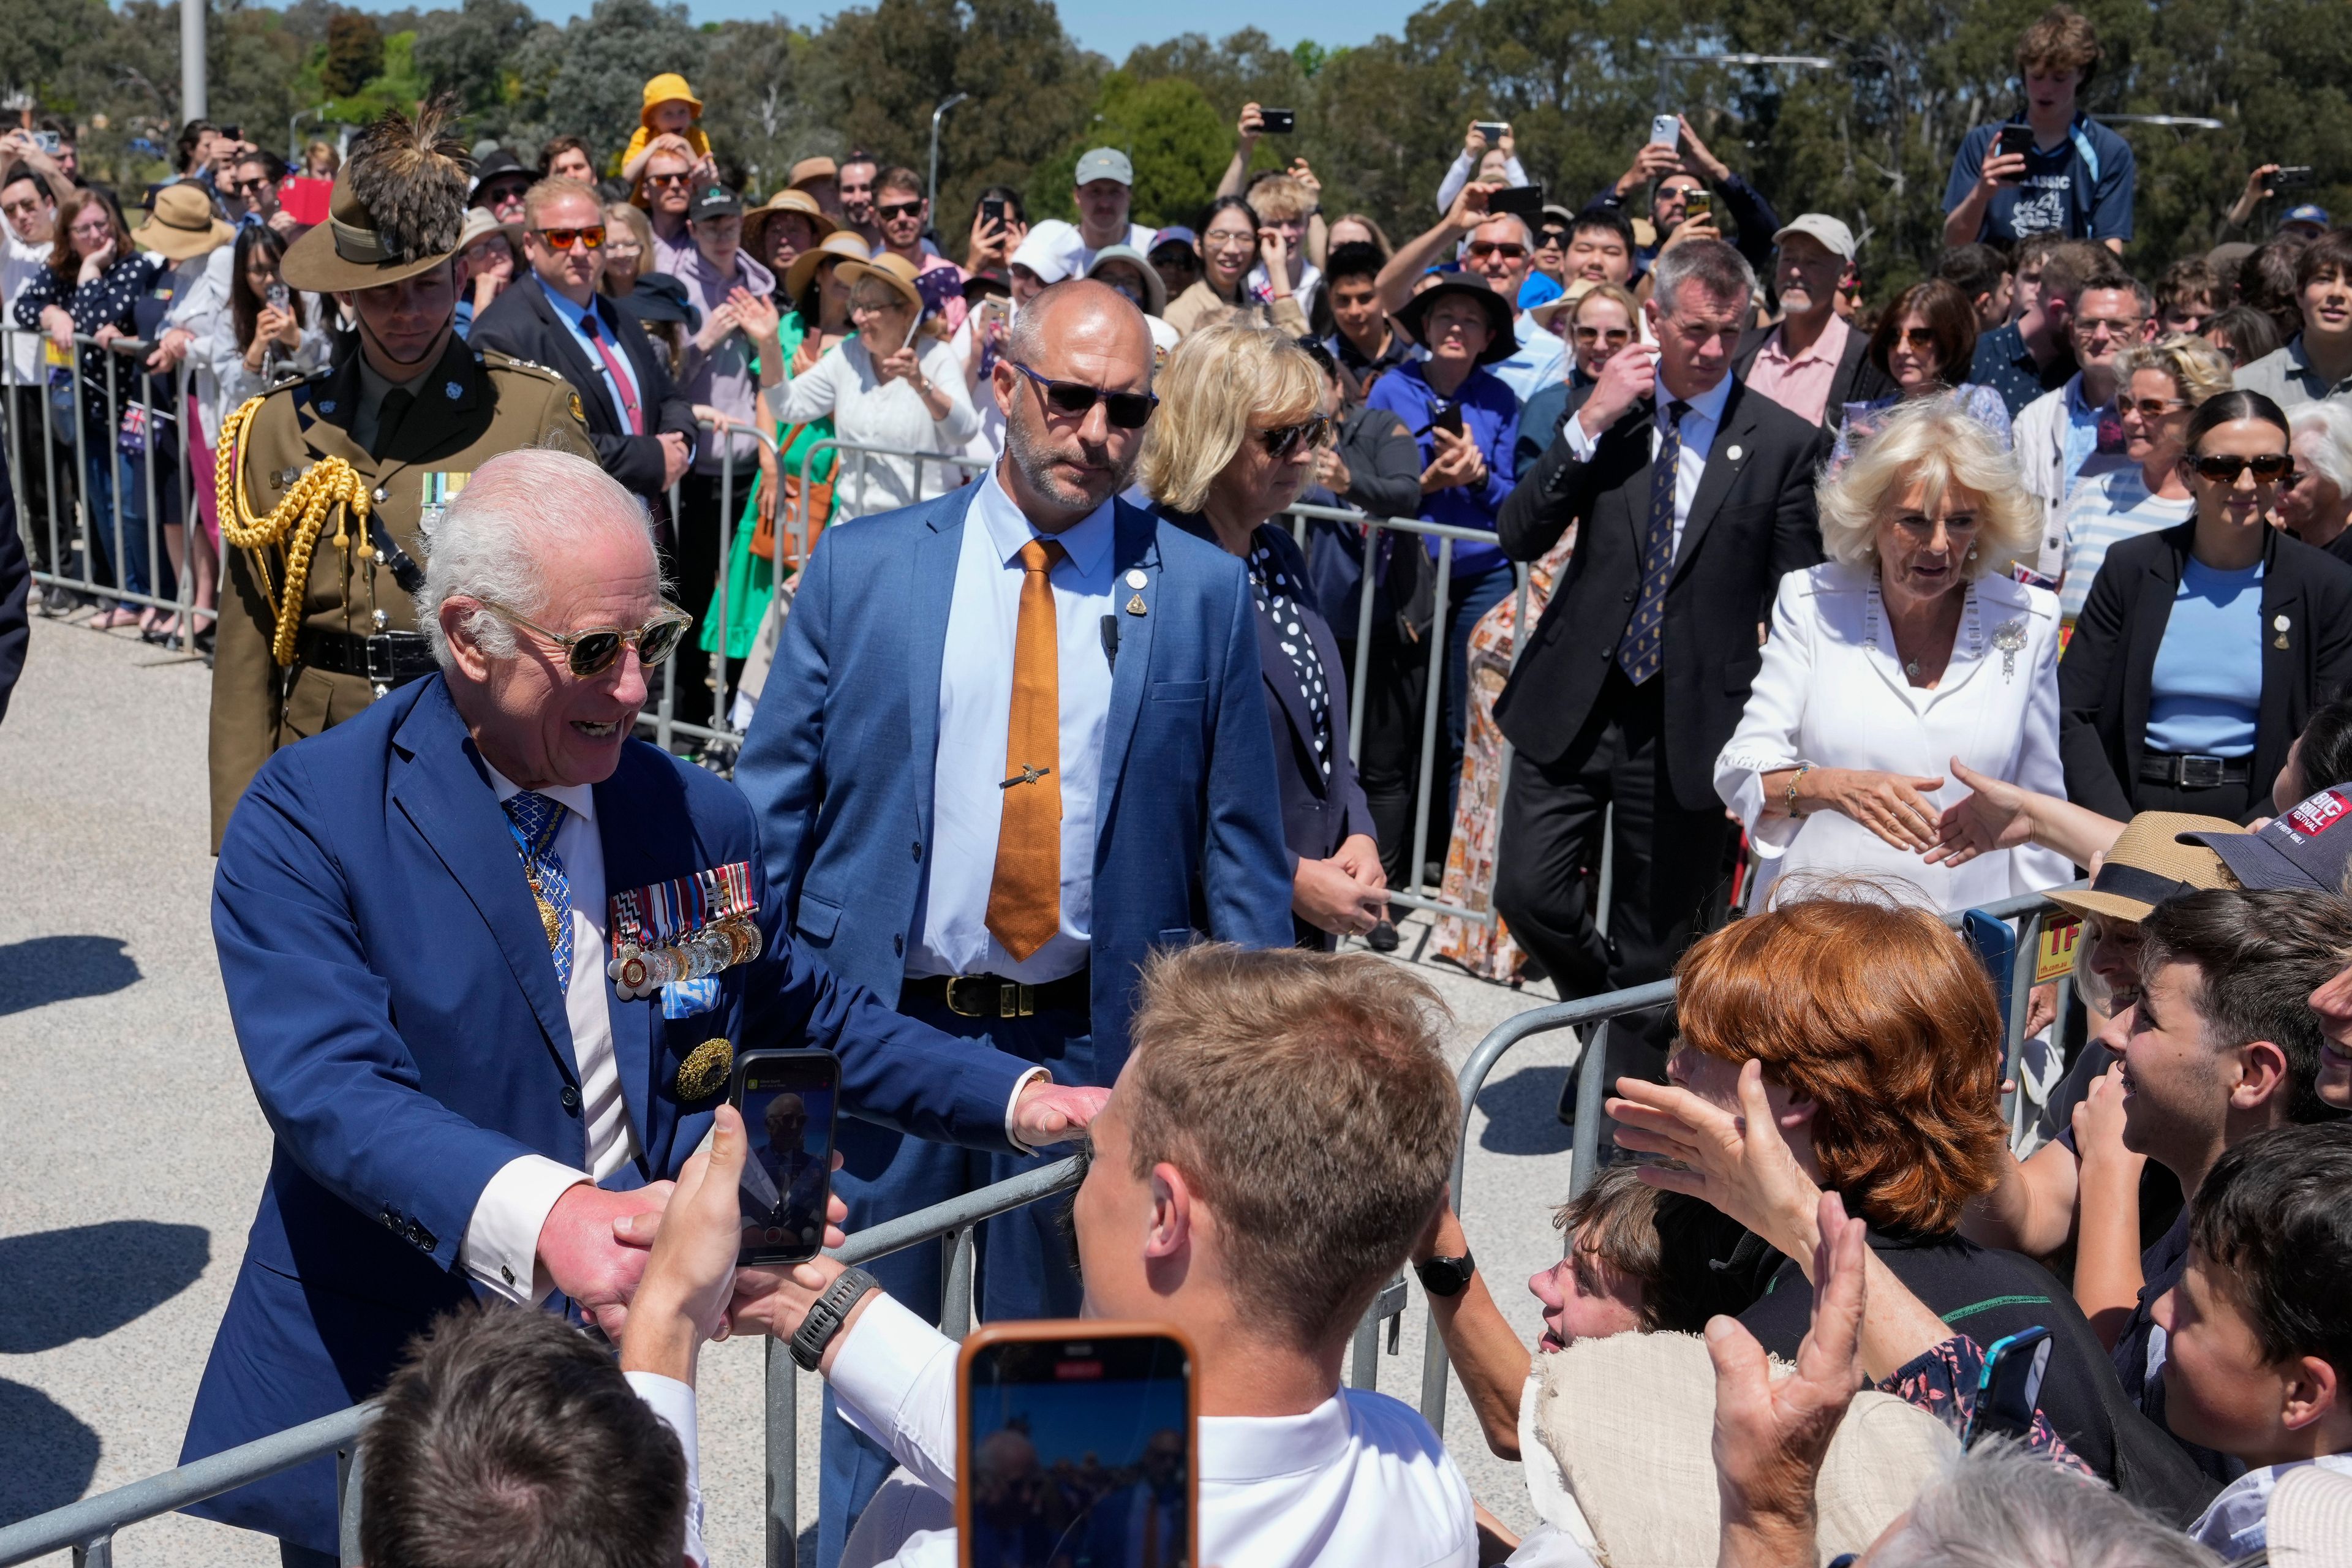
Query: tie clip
1029	774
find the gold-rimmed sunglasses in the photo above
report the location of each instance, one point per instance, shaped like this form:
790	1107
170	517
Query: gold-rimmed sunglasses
590	652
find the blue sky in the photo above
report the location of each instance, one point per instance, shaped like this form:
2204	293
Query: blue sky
1112	27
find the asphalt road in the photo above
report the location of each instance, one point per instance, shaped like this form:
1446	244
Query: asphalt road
132	1150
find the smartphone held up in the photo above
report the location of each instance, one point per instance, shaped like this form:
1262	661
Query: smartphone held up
1076	1443
787	1099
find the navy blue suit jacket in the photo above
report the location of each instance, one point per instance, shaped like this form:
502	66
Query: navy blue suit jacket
838	763
399	1016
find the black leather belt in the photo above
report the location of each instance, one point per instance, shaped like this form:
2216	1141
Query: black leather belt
994	996
388	658
2189	771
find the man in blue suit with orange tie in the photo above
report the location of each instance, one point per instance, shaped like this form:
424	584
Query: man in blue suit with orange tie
489	959
1013	740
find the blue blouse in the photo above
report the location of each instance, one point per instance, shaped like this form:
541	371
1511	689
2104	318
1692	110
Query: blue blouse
2206	686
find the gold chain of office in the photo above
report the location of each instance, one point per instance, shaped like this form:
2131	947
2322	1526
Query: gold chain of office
295	522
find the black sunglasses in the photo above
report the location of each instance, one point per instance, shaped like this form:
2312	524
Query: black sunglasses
2223	467
898	209
1128	410
1284	440
592	652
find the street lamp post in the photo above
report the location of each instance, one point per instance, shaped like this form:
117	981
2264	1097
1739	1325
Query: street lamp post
937	115
192	60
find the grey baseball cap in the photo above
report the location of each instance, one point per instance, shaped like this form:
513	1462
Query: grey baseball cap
1104	164
1823	227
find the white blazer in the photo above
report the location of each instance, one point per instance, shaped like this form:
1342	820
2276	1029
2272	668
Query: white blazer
1833	694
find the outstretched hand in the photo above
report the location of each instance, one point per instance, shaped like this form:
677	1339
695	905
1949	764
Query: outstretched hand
1992	818
1740	1164
1054	1113
1770	1437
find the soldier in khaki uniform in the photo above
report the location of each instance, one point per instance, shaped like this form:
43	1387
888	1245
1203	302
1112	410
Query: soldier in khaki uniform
335	479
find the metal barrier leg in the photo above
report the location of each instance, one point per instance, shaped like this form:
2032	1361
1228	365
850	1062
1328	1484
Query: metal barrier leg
99	1553
1431	714
2020	1004
955	1291
1591	1088
347	1464
719	704
783	1456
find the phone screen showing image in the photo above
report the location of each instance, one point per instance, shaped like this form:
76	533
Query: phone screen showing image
1080	1452
788	1100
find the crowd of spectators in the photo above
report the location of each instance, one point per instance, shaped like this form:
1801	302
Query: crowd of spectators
1845	608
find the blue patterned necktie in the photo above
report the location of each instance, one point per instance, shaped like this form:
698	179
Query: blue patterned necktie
1643	650
533	819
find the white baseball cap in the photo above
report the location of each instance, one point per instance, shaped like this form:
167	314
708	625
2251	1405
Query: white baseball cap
1820	226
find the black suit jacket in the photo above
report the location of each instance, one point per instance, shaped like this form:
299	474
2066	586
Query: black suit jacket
1317	814
2105	679
1751	521
522	323
1855	380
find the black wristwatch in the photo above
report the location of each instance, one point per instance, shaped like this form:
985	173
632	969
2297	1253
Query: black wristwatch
825	1318
1446	1276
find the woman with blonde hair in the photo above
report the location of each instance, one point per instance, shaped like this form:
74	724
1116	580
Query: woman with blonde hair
1911	648
1240	419
2157	386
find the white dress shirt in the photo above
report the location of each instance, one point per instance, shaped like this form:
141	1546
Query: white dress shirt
1833	694
19	264
674	1402
952	936
501	1247
1699	423
1360	1478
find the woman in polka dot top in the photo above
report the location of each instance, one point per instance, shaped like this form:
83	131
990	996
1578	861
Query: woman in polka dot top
1233	444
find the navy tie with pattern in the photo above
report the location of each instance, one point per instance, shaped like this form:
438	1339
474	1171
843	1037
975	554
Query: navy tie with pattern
1643	650
534	820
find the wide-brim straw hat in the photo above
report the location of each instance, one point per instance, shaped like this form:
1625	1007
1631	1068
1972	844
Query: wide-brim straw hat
2149	865
756	222
895	271
398	207
182	224
842	245
1543	314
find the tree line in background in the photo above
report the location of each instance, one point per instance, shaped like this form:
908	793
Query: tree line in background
1870	138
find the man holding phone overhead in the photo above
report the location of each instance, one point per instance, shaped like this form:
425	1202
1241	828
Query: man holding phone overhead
489	959
2056	172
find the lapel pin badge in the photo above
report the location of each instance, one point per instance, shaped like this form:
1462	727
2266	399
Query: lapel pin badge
2279	625
1735	454
1135	578
1135	606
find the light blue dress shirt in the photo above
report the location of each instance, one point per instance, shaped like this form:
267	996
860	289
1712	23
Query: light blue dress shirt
1536	364
975	711
570	315
2207	687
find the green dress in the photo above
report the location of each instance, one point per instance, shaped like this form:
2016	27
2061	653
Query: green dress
750	579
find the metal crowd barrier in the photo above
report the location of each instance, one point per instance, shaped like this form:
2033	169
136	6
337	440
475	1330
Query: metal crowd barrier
1590	1063
45	450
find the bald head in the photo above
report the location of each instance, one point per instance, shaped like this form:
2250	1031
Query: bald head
1060	464
1081	312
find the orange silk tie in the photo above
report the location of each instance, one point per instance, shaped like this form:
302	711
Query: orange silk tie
1025	902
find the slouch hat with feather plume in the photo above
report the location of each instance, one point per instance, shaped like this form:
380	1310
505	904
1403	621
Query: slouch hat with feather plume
398	208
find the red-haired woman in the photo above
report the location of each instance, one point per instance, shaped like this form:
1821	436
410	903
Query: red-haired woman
1853	1045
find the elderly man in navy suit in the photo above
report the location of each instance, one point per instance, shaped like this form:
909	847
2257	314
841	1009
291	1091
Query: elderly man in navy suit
452	932
1013	740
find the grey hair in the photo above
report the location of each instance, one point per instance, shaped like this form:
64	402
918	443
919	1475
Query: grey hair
1933	440
1998	1506
2329	426
1526	229
1720	272
518	515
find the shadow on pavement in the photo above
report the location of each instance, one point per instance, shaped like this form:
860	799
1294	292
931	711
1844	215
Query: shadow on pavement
45	969
91	1279
46	1457
1523	1114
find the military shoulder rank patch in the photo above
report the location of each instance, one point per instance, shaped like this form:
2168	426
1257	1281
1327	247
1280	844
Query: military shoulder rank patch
686	928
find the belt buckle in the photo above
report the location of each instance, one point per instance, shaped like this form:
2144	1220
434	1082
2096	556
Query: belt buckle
2201	772
976	1010
1014	1001
380	661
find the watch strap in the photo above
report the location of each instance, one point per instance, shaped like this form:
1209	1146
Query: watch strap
827	1314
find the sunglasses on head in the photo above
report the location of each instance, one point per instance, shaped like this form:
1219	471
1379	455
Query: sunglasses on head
1283	440
592	652
1126	410
1510	250
592	236
887	210
2223	467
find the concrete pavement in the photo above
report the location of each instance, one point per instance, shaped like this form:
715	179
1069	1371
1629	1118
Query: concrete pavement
133	1150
